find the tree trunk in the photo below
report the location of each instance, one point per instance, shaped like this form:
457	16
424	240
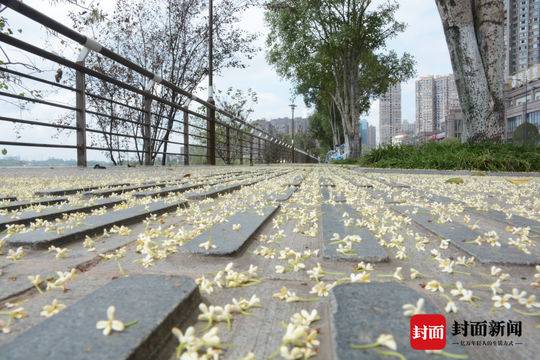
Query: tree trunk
346	102
474	34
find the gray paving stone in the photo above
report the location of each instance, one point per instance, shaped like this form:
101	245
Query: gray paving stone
60	192
296	181
393	184
55	212
327	194
16	205
213	192
109	192
156	302
326	182
94	224
460	235
332	222
168	190
284	196
228	241
515	220
362	312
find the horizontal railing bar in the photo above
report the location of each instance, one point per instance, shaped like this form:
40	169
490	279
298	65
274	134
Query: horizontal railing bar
35	78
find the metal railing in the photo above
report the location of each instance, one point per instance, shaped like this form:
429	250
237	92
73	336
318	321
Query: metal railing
197	135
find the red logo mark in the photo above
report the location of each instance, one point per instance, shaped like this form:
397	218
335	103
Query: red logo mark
428	332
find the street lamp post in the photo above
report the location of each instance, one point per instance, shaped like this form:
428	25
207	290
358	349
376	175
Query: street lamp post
211	120
293	106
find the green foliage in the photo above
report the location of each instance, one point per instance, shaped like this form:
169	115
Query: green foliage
526	133
486	156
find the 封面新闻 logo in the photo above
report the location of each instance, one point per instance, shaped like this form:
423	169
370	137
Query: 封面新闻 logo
428	332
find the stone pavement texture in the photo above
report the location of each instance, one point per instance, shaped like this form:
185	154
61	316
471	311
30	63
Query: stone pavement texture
469	250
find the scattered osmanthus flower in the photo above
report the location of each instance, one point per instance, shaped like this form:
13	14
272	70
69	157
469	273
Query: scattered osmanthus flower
112	324
191	347
415	274
451	306
317	272
236	227
61	280
286	295
362	266
397	274
434	286
207	245
444	244
249	356
120	230
384	340
530	302
15	255
213	314
465	261
363	277
300	341
305	317
466	295
502	301
17	313
36	281
54	308
322	288
89	243
61	253
266	252
490	238
410	309
116	256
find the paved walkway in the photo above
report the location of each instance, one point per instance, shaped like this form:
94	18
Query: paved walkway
303	228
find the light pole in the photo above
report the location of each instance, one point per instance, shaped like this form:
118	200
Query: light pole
211	121
293	106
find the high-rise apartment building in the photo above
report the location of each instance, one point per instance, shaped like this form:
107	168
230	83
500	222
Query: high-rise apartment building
390	114
425	104
522	35
436	96
372	137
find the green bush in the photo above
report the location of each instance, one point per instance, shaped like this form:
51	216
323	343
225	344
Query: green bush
452	155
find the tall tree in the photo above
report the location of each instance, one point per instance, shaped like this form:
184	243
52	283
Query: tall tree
474	32
345	38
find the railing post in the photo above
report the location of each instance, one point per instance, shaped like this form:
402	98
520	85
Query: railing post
211	133
228	144
241	147
251	150
259	157
80	104
147	107
186	138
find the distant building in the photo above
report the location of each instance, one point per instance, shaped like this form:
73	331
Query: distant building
364	126
390	114
454	126
368	134
436	97
522	40
284	125
408	128
372	137
517	106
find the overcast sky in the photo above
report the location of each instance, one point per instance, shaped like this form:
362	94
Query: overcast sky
423	38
